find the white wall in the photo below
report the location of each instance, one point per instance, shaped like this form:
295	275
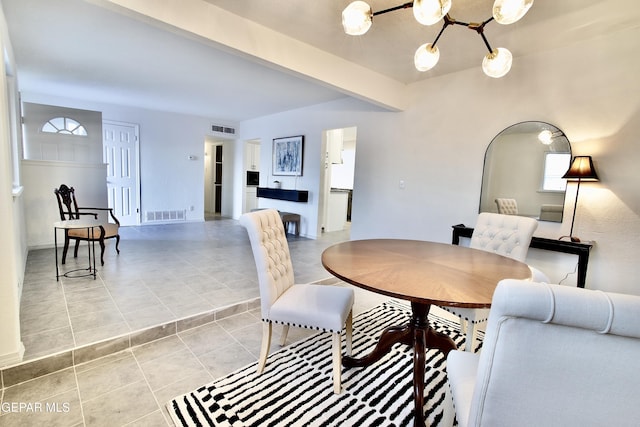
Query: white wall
310	122
40	145
437	147
12	232
169	180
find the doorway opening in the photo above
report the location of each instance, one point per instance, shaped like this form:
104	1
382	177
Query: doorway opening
337	173
213	164
252	174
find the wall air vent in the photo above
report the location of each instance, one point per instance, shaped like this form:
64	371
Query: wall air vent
223	129
157	216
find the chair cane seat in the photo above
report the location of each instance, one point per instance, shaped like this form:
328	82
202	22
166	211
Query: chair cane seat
110	230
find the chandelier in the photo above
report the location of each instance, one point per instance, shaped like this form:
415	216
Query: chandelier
358	17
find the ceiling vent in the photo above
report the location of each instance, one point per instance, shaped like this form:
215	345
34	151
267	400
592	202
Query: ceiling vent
223	129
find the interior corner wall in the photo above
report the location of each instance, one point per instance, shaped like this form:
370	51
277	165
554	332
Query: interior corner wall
437	148
12	232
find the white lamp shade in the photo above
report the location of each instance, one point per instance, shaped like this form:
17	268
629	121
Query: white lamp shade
357	18
510	11
426	57
497	63
428	12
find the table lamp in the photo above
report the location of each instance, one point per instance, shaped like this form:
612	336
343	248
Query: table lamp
581	169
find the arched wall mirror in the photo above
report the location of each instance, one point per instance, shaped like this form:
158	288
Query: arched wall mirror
525	163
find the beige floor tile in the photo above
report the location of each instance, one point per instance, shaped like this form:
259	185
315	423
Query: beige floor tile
104	332
154	419
227	359
238	321
101	377
95	319
148	316
60	410
119	407
42	388
182	386
158	349
47	321
206	338
171	368
47	342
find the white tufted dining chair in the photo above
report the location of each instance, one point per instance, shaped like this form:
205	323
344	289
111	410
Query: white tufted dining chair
507	235
321	307
553	355
507	206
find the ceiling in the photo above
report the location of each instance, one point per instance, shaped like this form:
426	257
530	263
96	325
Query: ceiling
99	51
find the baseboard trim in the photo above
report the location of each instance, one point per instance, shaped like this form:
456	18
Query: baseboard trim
14	357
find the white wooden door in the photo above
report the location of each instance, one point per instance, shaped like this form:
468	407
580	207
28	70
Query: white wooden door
121	153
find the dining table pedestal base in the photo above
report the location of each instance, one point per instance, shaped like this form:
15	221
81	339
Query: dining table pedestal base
417	334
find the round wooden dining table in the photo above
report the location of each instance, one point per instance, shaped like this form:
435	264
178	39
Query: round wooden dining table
422	273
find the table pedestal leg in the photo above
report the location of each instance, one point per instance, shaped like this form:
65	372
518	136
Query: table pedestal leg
418	334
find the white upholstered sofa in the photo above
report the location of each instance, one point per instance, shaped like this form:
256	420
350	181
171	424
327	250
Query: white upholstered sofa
552	356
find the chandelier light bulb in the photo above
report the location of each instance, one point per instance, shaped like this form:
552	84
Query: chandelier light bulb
546	137
357	18
497	63
428	12
509	11
426	57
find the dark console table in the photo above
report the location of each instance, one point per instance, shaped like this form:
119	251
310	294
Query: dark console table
581	249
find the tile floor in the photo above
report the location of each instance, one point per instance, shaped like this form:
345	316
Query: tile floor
163	273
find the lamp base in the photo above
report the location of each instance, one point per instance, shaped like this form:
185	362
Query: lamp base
571	238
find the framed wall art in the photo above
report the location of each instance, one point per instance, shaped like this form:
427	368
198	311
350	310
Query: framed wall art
287	155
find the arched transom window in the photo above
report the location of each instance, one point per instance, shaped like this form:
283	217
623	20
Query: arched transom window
64	125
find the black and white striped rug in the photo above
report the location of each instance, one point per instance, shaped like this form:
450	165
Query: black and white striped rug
296	387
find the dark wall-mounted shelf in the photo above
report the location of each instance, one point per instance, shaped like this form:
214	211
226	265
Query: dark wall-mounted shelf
280	194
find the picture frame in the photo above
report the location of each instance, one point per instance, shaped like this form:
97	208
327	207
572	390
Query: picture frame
287	156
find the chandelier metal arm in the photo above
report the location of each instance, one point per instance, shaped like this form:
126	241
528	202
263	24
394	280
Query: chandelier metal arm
402	6
447	21
479	28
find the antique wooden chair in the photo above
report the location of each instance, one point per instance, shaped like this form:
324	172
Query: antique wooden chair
69	210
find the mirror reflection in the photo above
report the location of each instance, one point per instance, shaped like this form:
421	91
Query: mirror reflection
523	168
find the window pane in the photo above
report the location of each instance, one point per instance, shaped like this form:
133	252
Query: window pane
555	165
64	125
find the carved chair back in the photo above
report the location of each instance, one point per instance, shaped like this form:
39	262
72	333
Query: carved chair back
67	203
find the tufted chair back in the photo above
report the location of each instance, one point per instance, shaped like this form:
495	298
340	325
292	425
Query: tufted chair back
507	206
271	254
507	235
553	355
